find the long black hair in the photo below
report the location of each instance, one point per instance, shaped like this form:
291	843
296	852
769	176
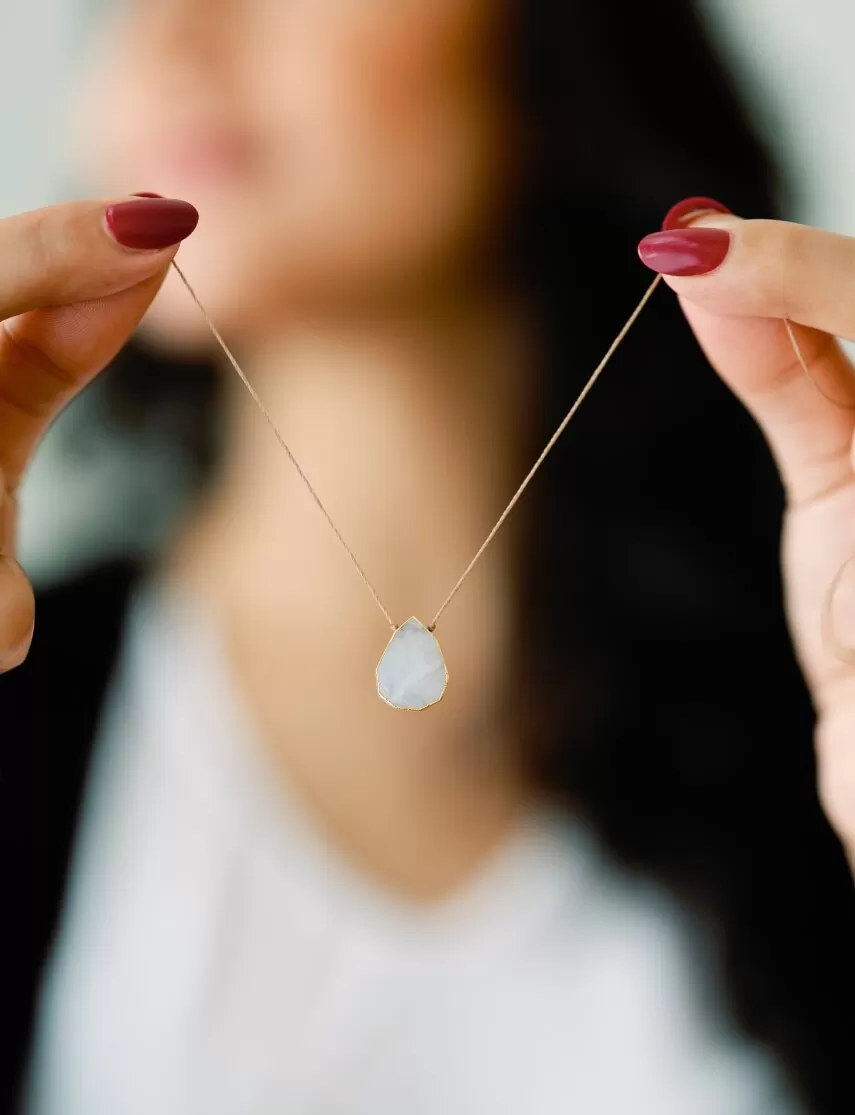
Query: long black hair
673	717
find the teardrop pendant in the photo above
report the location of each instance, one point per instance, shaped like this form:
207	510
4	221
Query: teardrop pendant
412	673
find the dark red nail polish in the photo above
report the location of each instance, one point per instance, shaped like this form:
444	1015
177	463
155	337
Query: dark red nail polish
685	251
681	214
146	194
151	223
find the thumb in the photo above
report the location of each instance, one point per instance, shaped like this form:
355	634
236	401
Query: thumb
74	284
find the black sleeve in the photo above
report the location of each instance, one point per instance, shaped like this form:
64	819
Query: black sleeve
49	711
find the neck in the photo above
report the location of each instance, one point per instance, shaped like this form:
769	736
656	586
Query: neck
412	436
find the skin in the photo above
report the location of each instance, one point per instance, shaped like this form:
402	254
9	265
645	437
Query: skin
775	270
344	155
348	164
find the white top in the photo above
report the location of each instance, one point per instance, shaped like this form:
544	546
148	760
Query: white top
218	957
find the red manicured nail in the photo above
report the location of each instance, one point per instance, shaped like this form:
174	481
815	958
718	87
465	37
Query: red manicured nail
146	194
681	214
685	251
151	223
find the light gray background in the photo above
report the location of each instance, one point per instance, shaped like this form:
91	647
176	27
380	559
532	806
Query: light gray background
37	44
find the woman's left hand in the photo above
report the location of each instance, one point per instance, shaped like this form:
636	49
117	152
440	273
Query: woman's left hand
737	279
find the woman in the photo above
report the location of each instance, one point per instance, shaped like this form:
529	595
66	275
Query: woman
284	896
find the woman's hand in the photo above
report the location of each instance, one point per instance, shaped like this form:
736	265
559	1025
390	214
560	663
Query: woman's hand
74	282
736	281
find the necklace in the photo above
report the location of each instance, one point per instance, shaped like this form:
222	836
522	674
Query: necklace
411	673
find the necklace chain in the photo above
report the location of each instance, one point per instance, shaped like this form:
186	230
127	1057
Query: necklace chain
592	379
256	398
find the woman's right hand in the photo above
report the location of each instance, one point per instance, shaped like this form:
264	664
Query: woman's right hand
75	280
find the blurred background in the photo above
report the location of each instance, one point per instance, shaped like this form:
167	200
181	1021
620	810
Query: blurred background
791	59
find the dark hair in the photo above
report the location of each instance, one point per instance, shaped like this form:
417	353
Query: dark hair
674	718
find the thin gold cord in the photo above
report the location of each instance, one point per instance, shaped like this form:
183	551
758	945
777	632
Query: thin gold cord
828	631
788	325
595	375
257	400
583	394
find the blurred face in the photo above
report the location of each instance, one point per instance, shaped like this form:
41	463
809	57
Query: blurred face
341	152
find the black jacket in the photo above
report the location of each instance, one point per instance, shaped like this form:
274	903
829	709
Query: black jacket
49	710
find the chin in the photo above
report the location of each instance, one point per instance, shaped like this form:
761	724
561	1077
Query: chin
228	292
176	330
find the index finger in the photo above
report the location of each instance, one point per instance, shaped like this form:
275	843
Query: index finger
82	250
75	280
737	280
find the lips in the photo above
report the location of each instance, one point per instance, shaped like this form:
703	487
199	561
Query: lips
199	159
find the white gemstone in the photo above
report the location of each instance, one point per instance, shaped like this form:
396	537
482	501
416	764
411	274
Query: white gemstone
412	674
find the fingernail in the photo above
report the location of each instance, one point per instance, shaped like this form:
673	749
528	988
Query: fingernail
151	223
146	194
685	211
685	251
